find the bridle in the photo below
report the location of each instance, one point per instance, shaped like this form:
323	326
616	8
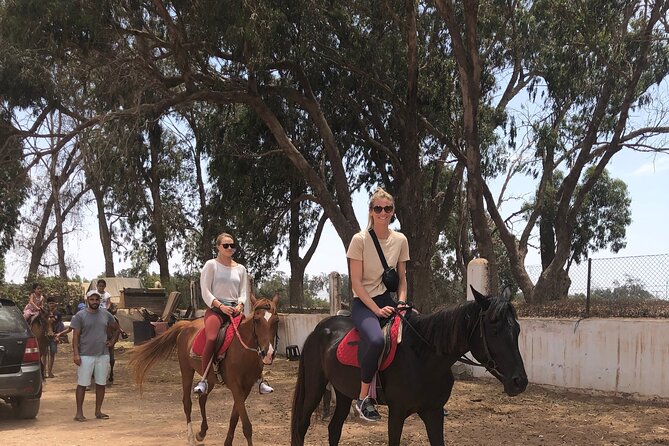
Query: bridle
490	364
257	350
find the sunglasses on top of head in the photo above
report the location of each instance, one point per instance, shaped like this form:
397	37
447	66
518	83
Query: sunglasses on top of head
387	209
229	246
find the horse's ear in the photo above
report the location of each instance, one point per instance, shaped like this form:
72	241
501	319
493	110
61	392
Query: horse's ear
507	295
253	299
276	298
483	301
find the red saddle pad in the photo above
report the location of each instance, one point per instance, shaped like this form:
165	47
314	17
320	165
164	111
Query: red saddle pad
200	338
347	351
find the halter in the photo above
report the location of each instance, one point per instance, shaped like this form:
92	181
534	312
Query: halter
258	350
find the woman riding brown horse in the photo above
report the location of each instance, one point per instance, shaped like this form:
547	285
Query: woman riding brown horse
251	348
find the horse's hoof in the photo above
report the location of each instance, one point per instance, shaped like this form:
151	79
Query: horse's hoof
200	437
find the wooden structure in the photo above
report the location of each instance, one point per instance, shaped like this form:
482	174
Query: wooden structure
153	299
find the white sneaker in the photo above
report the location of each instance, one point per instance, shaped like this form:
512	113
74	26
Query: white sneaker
264	388
200	389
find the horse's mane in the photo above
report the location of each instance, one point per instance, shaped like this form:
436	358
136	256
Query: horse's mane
448	330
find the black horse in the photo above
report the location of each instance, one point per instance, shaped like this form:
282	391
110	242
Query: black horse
420	379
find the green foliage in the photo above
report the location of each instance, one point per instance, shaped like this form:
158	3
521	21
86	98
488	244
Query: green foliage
315	290
604	218
13	186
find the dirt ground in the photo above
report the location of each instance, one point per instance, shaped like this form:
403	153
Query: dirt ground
479	415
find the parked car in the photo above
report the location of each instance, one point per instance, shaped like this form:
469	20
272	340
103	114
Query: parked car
20	369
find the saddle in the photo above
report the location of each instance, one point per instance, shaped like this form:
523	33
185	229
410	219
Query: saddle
223	340
347	350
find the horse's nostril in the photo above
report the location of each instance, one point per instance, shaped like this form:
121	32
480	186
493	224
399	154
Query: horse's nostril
520	382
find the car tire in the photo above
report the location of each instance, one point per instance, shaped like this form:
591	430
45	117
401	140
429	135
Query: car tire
26	408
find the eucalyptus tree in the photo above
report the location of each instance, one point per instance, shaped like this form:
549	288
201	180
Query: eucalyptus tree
217	53
151	192
587	65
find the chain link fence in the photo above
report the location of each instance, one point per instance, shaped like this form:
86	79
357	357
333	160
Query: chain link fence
618	277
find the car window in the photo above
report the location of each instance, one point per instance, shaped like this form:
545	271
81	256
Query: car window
11	318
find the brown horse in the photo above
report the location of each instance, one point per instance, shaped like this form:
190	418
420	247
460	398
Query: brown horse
41	328
242	367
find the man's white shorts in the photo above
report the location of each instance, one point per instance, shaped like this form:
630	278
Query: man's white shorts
93	366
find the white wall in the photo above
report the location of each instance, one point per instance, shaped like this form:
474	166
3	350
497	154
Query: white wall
615	355
294	329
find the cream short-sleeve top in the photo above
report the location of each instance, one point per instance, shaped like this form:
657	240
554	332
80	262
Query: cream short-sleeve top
395	249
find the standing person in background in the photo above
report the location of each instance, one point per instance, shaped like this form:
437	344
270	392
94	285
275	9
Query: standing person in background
372	301
90	346
57	327
105	297
81	305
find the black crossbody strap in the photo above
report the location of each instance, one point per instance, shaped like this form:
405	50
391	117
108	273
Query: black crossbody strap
378	249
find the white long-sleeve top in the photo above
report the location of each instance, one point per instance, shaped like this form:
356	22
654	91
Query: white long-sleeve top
225	283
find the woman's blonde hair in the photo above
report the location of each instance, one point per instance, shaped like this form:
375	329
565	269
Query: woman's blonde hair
221	236
379	194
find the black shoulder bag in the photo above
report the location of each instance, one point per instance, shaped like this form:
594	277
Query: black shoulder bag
390	278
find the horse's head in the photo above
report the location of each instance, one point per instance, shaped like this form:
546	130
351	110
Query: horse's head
266	326
494	341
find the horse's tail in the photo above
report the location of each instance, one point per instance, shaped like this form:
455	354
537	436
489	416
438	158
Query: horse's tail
309	386
159	348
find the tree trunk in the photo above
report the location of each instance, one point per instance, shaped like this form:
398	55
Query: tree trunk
105	232
207	240
58	219
157	214
40	243
297	266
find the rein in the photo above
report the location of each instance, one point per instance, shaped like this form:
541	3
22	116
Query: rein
257	350
490	365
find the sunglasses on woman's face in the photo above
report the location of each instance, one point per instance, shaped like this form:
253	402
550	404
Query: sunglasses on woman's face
387	209
229	246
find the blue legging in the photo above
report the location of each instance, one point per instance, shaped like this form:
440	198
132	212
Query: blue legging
371	336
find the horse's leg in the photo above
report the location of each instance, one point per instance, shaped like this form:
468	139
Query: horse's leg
434	424
396	420
187	373
43	361
234	418
342	409
239	395
112	361
327	400
204	426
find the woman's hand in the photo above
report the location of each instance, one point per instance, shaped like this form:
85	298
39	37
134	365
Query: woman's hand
230	311
385	311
